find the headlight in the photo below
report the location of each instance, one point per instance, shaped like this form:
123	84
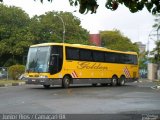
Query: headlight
43	76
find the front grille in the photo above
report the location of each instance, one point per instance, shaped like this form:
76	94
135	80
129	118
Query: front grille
36	76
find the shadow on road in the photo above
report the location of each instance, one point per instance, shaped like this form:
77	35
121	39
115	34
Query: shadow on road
56	87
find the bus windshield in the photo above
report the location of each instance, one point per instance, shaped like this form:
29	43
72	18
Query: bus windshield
38	59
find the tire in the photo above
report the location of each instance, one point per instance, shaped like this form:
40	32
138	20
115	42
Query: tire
94	84
66	81
104	84
122	81
114	81
46	86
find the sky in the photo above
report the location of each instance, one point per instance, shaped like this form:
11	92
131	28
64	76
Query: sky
136	26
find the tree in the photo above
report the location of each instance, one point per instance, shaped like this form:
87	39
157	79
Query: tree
133	5
156	50
157	21
18	32
49	28
14	34
116	41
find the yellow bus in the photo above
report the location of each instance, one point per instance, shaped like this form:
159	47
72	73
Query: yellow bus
64	64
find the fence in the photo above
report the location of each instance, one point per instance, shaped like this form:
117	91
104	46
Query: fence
3	73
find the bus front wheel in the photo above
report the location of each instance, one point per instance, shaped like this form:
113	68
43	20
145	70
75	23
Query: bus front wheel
46	86
66	81
114	81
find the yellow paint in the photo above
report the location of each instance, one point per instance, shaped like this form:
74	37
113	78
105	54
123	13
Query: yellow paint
85	69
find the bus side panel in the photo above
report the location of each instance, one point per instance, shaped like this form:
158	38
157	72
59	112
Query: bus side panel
97	70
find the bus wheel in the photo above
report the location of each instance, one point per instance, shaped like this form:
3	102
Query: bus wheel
66	81
94	84
46	86
122	81
114	81
104	84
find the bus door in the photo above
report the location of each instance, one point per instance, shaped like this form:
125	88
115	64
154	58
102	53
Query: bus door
56	59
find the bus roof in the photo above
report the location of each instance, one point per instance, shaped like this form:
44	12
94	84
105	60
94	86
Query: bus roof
83	46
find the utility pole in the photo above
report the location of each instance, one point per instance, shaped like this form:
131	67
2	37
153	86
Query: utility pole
63	38
158	46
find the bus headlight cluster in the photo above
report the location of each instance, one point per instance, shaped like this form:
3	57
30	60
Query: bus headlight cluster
43	76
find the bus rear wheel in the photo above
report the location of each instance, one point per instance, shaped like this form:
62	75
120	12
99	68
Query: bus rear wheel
122	81
114	81
66	81
104	84
94	84
46	86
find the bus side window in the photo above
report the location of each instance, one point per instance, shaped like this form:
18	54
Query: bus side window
109	57
98	56
135	60
85	55
72	53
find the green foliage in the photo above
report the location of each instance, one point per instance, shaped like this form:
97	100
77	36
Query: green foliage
14	35
143	60
152	6
156	50
15	71
157	22
116	41
49	28
133	5
18	32
10	62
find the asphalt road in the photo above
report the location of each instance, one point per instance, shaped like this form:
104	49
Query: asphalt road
133	98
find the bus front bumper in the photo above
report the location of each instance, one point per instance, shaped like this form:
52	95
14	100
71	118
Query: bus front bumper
43	81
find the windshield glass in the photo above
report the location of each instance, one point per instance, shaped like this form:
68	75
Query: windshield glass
38	59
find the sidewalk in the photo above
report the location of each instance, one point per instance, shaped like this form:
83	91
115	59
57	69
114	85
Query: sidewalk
154	84
11	84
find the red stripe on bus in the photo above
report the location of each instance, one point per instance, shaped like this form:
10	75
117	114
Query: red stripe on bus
73	75
76	74
126	72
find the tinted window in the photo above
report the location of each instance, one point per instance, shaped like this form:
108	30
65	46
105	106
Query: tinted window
130	59
98	56
72	53
120	58
109	57
85	55
56	59
127	59
135	60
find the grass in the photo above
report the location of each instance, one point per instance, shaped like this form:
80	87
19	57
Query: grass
10	81
157	82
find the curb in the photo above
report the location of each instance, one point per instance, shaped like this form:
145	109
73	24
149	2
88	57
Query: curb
156	87
156	80
12	84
